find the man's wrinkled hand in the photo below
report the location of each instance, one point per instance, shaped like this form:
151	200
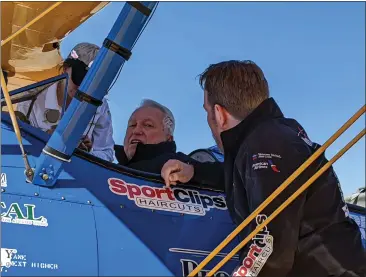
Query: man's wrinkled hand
175	171
86	144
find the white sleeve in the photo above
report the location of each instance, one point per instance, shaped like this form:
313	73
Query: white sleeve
23	107
102	136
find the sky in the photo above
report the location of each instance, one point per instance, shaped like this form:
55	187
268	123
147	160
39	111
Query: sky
312	54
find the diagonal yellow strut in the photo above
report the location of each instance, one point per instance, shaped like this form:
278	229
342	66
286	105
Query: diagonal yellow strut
266	202
28	169
9	38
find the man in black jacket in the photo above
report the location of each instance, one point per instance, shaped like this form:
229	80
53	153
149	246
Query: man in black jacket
314	236
149	144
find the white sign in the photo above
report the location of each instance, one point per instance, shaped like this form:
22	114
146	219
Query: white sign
11	259
175	200
16	214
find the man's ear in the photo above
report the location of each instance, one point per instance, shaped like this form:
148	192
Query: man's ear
221	116
170	138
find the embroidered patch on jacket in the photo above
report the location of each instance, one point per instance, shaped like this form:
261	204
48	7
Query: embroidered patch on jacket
265	161
302	134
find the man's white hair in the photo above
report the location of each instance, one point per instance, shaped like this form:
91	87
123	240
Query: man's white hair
168	121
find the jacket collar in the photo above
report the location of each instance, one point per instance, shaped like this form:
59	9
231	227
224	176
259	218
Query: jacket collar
232	138
145	152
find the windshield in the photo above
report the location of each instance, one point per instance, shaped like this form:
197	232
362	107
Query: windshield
32	91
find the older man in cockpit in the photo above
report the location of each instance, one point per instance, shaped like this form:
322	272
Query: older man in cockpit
149	144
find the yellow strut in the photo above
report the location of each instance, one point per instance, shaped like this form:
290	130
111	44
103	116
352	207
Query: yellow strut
9	38
28	169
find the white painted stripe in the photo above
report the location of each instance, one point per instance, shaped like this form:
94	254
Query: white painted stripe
200	252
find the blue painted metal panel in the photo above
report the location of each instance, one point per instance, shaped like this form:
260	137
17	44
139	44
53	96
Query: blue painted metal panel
12	165
15	181
10	149
163	230
47	238
216	152
173	238
122	252
360	219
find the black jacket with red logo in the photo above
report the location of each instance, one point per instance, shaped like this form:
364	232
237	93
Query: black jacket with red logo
313	236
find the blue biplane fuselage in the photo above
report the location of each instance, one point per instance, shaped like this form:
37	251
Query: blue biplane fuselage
103	219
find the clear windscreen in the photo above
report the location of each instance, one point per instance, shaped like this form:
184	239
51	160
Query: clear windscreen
31	92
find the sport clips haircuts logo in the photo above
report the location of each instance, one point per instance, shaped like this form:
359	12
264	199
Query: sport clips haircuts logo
167	199
258	253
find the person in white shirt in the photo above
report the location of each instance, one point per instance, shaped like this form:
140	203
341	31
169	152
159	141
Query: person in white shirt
46	111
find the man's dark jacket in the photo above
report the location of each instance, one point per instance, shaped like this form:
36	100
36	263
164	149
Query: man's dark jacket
314	236
152	157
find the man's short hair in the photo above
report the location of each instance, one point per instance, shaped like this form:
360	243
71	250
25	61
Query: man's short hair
238	86
168	121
